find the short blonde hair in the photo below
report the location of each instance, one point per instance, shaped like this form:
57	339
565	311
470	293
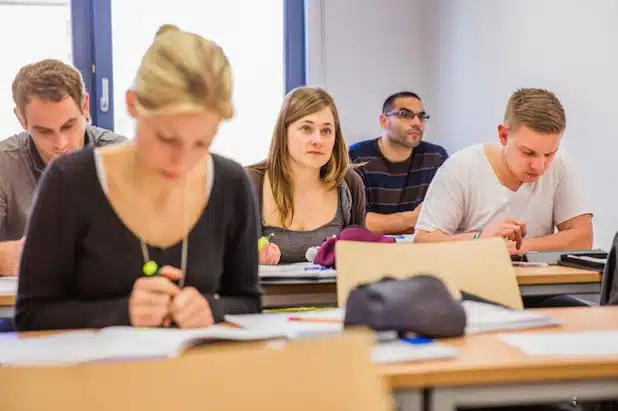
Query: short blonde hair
183	72
537	109
299	103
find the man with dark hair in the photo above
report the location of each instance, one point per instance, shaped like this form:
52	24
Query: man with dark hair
52	106
398	166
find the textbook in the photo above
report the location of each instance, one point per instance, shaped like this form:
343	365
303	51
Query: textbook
298	271
118	343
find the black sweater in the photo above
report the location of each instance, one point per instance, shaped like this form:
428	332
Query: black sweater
79	261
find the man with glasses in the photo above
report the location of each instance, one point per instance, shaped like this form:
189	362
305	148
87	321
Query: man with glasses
398	166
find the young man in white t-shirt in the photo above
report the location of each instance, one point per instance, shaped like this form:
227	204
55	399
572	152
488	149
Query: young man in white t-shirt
521	188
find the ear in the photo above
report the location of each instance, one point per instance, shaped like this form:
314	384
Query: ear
503	134
86	105
131	101
384	122
20	118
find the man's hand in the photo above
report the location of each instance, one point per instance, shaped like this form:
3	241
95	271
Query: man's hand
10	255
509	229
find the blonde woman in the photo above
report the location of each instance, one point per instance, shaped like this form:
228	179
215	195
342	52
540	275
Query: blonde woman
306	190
156	232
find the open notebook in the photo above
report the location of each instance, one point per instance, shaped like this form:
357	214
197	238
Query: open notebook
298	271
119	343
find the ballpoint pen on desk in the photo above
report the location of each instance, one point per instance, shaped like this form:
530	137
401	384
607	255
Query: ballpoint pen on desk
417	340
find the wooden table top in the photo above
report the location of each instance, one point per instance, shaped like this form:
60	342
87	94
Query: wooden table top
555	274
525	276
484	359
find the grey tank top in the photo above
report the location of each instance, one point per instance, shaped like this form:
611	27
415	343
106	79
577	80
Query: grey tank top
294	244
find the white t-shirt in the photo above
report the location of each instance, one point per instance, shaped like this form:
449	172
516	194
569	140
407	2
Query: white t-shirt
466	195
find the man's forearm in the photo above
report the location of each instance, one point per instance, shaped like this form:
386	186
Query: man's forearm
395	223
10	252
439	237
572	239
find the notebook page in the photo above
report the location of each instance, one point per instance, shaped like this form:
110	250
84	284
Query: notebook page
586	343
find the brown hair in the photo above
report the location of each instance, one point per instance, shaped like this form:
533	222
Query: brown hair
537	109
299	103
50	80
183	72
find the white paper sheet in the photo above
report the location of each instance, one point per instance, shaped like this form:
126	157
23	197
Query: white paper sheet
401	351
483	317
576	344
8	285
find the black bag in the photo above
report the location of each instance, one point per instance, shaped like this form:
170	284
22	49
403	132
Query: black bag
421	304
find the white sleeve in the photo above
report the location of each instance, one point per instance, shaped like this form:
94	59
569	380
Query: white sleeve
443	206
570	198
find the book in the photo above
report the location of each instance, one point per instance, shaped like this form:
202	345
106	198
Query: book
295	271
119	343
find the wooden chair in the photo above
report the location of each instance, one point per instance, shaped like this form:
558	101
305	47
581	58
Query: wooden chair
481	267
320	374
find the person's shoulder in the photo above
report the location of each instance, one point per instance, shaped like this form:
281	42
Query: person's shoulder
468	155
432	148
462	162
563	161
227	170
363	150
102	137
74	163
353	178
14	143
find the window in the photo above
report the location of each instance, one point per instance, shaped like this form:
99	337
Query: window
251	34
47	34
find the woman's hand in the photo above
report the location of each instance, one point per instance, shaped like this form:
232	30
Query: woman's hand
190	309
149	304
270	254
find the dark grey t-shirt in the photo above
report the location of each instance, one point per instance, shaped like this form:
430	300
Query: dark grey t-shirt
20	169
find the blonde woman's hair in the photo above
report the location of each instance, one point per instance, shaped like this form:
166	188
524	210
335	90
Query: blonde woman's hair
183	72
299	103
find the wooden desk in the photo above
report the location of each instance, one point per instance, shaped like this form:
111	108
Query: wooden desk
489	372
552	280
557	280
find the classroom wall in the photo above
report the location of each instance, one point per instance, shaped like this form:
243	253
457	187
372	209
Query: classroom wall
465	57
477	55
362	53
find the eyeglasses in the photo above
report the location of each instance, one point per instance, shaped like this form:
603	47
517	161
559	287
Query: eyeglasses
408	115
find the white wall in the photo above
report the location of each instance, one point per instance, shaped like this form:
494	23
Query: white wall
485	49
363	52
465	57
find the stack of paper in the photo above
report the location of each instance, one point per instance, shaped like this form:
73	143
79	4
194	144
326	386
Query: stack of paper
295	271
483	317
117	343
576	344
401	351
8	285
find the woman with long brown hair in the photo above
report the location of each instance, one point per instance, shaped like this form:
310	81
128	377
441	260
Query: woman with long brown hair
306	189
